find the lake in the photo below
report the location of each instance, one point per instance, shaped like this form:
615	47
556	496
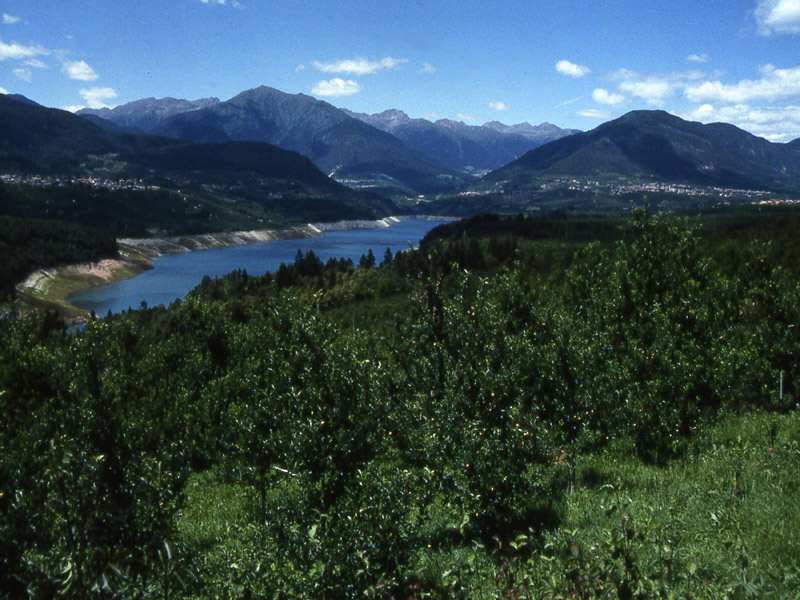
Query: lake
173	275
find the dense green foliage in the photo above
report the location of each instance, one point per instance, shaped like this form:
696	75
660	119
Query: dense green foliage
124	213
558	226
544	424
168	211
29	244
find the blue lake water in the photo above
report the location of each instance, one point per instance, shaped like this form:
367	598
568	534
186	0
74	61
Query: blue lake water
174	275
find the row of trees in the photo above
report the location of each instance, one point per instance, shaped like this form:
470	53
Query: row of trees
244	444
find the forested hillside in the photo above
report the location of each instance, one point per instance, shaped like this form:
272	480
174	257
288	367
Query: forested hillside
657	146
134	182
58	170
498	418
29	244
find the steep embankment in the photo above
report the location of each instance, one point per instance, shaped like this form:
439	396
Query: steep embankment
48	289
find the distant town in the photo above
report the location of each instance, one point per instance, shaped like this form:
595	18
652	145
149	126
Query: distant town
114	185
760	197
687	190
45	181
654	187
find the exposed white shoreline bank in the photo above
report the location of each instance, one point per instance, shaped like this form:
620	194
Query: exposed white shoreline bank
153	247
137	255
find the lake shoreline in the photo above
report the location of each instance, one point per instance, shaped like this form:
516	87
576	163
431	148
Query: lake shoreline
48	289
154	247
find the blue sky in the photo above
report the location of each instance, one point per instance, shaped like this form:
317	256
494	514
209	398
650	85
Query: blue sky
569	62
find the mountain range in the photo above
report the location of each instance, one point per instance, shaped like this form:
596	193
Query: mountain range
147	113
467	148
39	140
35	140
398	155
418	156
660	147
346	148
389	151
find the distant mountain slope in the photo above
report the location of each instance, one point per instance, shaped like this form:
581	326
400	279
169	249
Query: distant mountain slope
543	133
658	146
466	148
147	113
342	146
247	182
23	99
107	125
41	140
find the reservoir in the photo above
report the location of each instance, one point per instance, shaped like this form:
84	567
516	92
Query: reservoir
173	275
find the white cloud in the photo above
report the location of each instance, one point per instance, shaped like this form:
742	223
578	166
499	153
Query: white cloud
602	96
654	91
465	117
73	107
359	66
778	16
96	97
499	105
336	87
78	69
299	68
36	64
593	113
24	74
735	103
698	58
232	3
10	20
428	68
571	69
568	102
3	90
16	51
775	84
701	113
777	124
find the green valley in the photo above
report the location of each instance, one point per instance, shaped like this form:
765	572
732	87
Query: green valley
519	415
424	300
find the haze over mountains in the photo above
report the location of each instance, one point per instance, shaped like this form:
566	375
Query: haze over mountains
147	113
467	148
